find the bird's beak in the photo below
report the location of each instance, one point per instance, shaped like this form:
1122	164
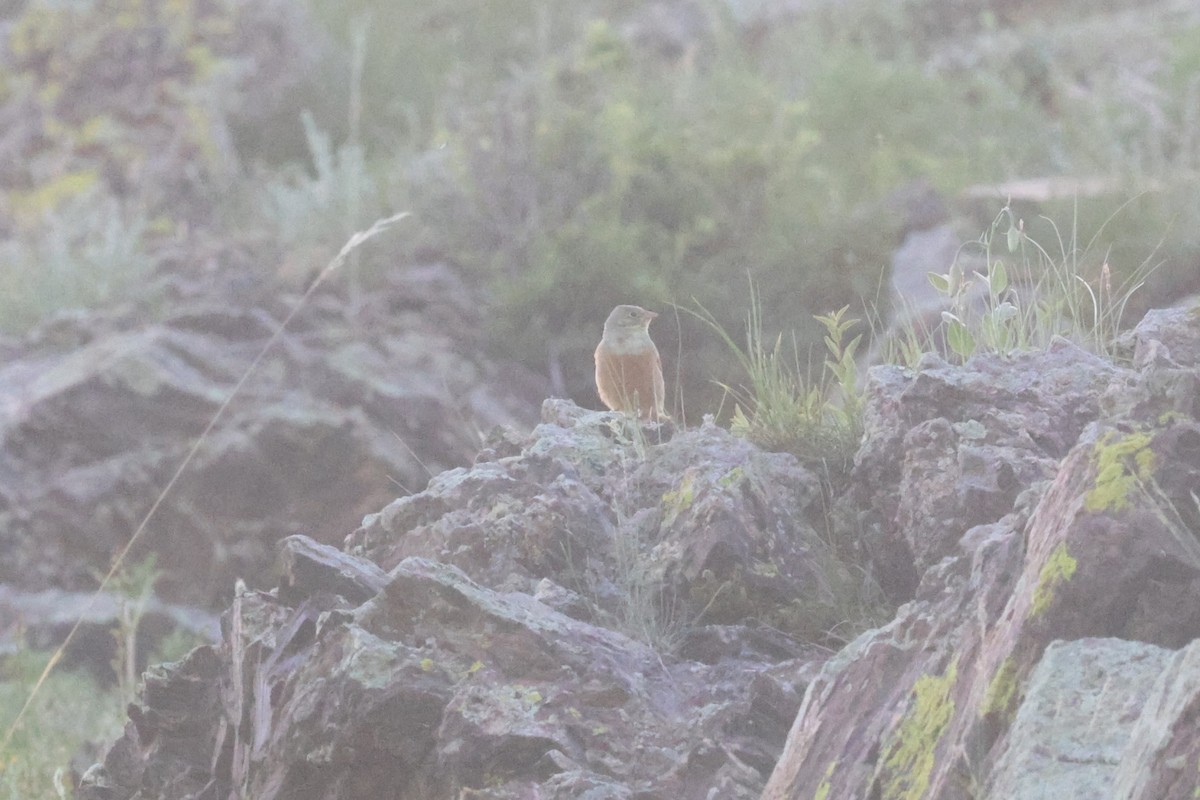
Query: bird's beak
652	315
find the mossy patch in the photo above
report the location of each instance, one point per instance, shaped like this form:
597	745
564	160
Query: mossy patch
1122	464
1001	690
909	755
1058	569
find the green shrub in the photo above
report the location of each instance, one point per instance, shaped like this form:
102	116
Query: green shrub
591	183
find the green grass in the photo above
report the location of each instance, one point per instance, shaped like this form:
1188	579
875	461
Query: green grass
69	712
1023	296
780	406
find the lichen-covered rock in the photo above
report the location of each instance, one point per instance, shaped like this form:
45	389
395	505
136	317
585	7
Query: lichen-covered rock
440	687
947	448
723	530
525	640
1080	706
925	706
1162	757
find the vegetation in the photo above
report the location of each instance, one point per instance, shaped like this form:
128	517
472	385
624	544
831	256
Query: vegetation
782	408
573	157
71	711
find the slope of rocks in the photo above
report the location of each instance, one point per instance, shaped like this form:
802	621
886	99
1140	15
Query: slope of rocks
598	610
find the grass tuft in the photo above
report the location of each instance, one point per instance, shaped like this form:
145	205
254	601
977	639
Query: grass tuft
781	408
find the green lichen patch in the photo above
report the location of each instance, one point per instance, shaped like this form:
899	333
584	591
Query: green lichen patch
678	501
909	755
732	478
1122	464
824	787
1058	569
1002	689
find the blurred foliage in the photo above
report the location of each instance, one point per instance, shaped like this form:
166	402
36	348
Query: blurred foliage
116	150
573	157
87	252
423	61
70	712
611	175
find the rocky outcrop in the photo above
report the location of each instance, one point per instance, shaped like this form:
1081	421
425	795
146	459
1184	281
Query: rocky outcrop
605	610
596	610
95	420
945	701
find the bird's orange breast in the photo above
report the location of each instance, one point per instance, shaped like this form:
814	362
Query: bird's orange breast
630	381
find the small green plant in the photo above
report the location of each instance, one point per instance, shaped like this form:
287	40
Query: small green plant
781	408
313	210
89	251
133	585
1025	305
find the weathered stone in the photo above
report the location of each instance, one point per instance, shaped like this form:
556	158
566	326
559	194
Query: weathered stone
721	528
1081	703
1055	537
925	706
308	568
948	448
1160	761
321	435
441	687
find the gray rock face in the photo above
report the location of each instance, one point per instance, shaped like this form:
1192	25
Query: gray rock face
582	618
1081	703
927	706
719	526
947	448
322	433
1164	748
581	614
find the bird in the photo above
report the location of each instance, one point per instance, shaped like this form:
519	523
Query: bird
629	373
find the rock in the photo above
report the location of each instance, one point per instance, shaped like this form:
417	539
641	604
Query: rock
442	686
1159	760
722	529
607	609
169	741
308	568
948	448
325	430
927	705
690	574
1080	706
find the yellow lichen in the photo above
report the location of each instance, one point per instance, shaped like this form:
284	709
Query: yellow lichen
732	478
49	196
909	755
1058	569
1122	464
679	500
824	787
1002	689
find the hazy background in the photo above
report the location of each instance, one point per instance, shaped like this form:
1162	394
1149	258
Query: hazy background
566	157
